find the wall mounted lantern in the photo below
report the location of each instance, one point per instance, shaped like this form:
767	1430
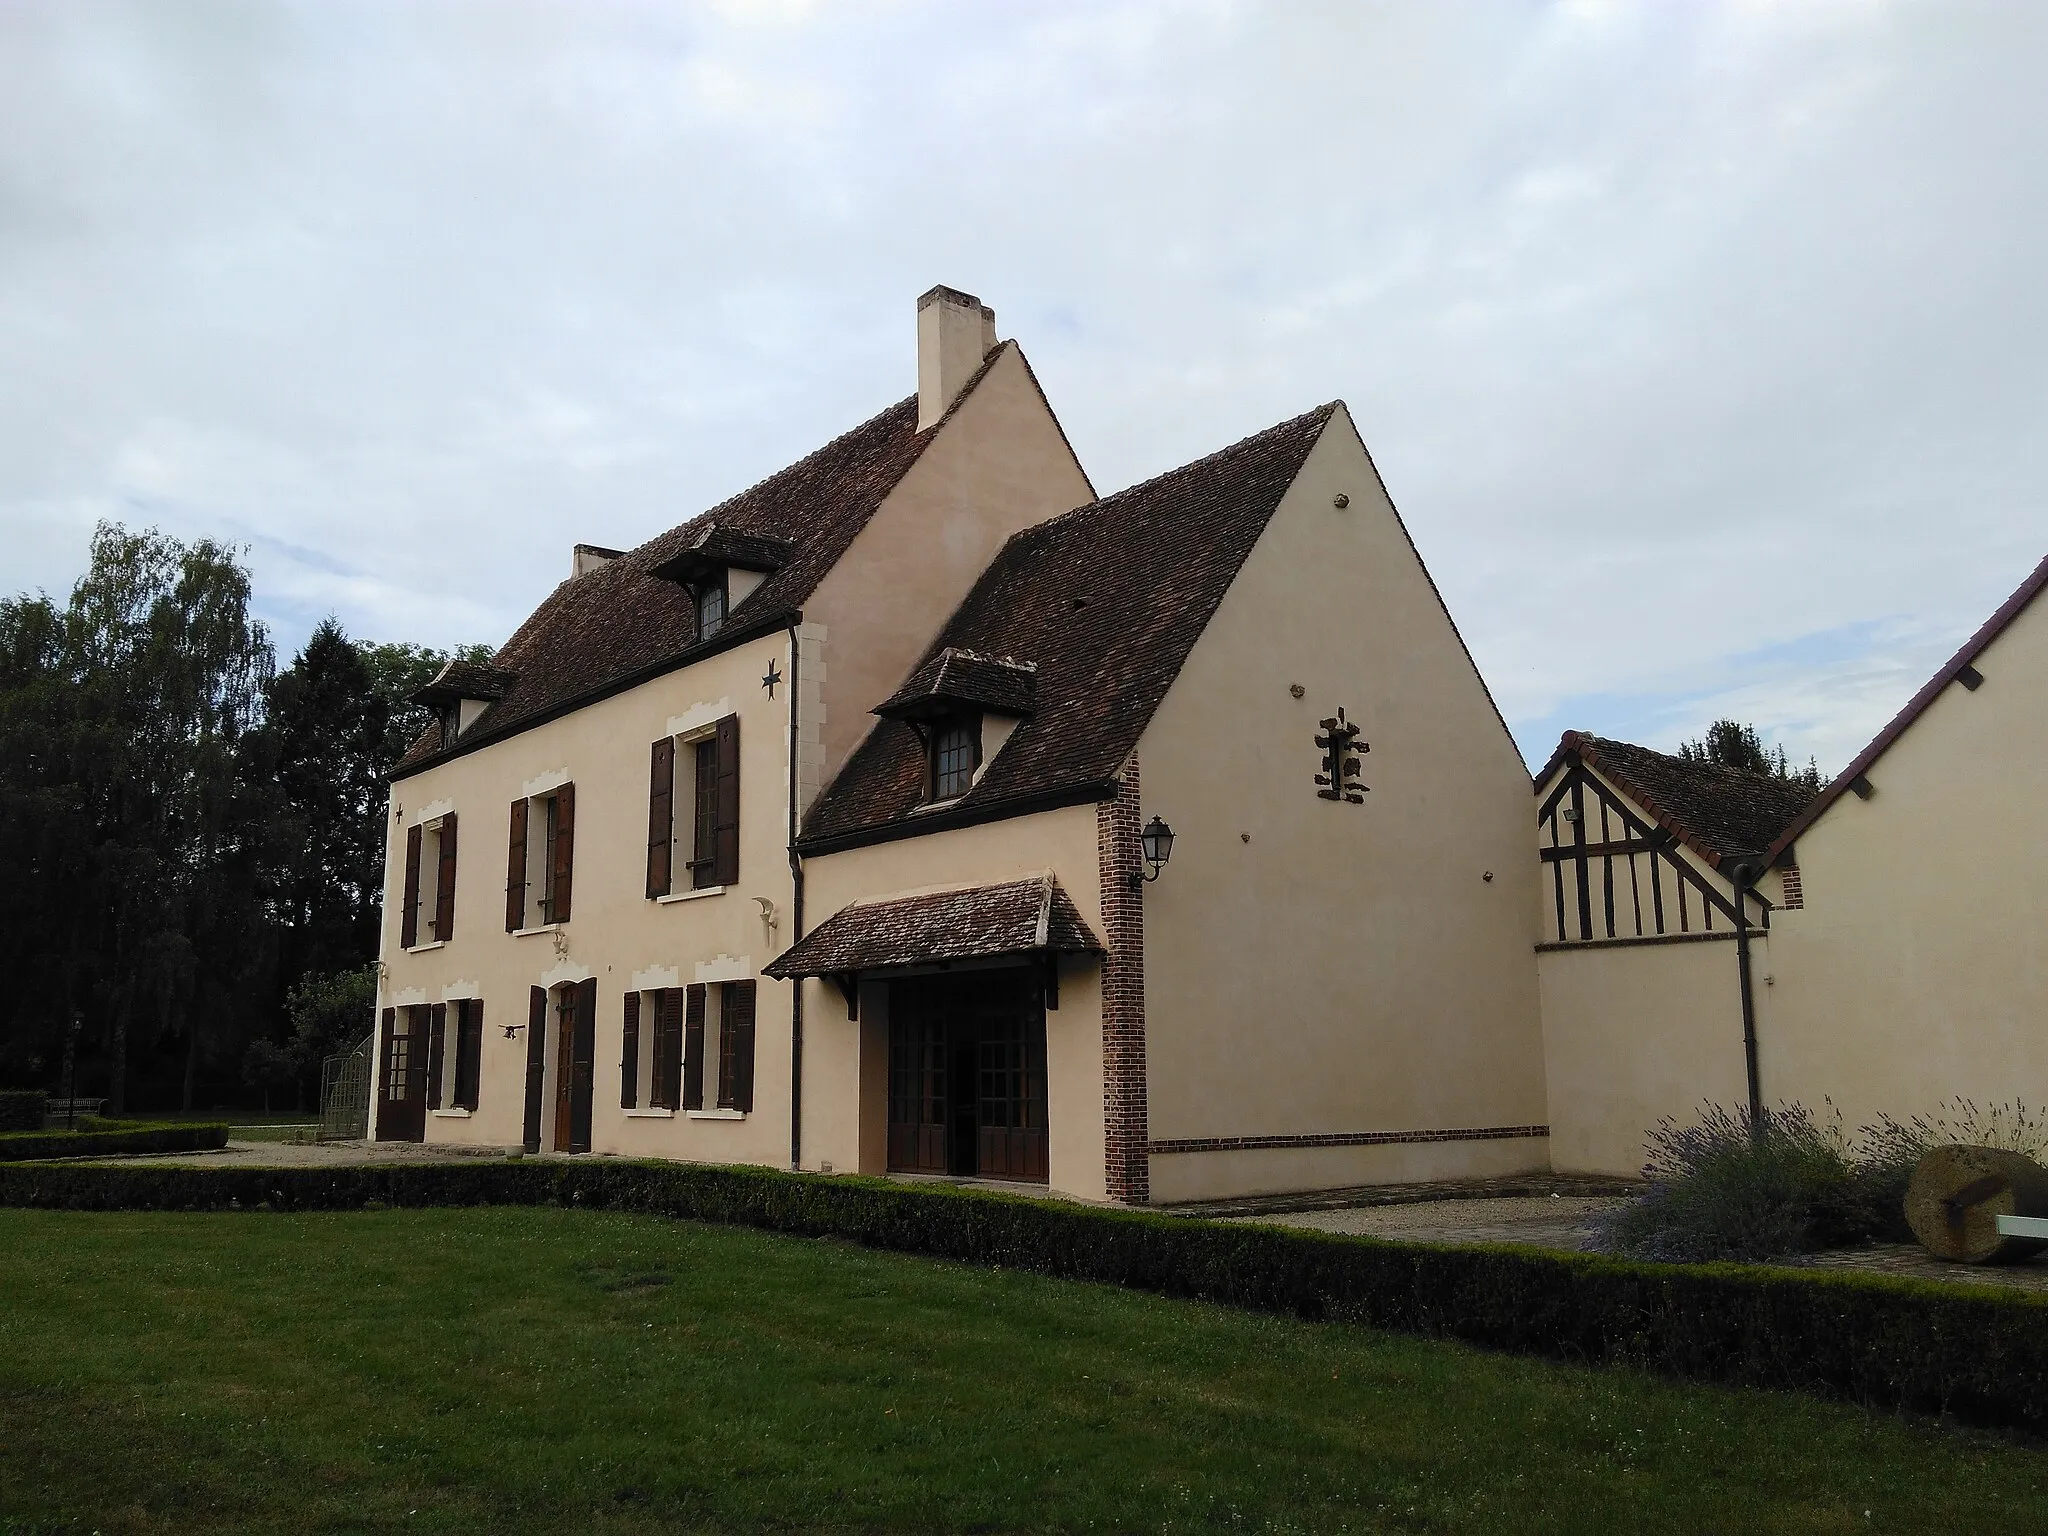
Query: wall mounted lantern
1156	843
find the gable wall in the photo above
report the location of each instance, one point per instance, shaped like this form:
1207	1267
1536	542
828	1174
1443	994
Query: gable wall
1348	969
1633	1034
1917	970
998	466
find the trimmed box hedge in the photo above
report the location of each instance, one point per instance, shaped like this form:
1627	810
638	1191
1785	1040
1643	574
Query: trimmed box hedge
104	1142
1979	1353
22	1110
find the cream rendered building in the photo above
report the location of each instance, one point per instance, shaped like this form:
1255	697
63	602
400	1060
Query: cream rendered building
809	833
916	811
1898	923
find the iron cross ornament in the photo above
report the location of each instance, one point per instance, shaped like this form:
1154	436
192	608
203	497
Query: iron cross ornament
1339	778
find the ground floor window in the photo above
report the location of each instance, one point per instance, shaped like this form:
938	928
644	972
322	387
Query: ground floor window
967	1075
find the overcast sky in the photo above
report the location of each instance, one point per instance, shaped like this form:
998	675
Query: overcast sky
1704	348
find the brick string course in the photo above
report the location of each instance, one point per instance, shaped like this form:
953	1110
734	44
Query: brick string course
1126	1120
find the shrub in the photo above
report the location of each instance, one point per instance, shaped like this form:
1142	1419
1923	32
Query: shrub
22	1111
111	1141
1724	1189
1978	1352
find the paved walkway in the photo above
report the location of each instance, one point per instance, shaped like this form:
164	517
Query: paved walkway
1569	1222
326	1154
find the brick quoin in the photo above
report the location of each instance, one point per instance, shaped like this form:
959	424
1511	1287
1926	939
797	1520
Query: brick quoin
1795	895
1126	1122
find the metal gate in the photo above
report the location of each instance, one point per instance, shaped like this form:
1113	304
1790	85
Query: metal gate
345	1092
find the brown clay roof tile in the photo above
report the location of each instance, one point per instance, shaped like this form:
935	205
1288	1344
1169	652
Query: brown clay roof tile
1715	811
1107	601
978	922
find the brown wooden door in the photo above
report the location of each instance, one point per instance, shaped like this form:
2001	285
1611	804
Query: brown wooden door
967	1075
1010	1082
575	1061
918	1078
402	1084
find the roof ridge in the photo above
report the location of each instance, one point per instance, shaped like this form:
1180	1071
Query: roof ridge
2001	619
1104	503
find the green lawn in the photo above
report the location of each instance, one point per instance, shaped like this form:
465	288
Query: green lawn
502	1370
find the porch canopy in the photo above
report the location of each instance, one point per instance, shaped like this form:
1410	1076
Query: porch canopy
1026	918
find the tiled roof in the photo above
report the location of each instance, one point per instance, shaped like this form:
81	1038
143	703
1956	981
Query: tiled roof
1714	811
620	623
952	677
1107	600
977	922
1954	668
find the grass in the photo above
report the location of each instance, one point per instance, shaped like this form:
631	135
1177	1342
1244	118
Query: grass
511	1369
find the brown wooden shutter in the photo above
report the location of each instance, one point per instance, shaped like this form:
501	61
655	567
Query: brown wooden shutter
444	883
661	818
693	1047
515	870
437	1047
536	1062
668	1049
469	1051
739	1022
726	830
564	850
409	914
629	1055
384	1066
582	1065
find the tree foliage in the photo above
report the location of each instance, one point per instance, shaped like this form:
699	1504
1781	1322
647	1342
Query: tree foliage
1731	744
188	837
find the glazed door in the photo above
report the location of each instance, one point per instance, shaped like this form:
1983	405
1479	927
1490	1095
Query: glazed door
918	1079
402	1084
575	1066
536	1063
1010	1082
967	1075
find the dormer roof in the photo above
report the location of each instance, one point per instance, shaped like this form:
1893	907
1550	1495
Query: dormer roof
953	679
460	681
718	548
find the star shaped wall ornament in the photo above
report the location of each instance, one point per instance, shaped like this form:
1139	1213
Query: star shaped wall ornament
774	676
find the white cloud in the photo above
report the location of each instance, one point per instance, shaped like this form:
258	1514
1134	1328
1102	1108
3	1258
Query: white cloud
1699	344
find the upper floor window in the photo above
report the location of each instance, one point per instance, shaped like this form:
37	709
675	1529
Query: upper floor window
711	607
429	900
955	754
540	859
693	811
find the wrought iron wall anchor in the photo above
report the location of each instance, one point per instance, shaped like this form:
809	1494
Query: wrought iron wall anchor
1339	778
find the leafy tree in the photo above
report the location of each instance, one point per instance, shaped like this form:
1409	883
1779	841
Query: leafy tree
128	718
1731	744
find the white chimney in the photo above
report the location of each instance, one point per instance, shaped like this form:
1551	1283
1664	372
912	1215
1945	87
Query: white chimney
955	333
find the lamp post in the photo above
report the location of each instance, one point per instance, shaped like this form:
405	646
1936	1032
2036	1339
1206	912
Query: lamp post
1156	844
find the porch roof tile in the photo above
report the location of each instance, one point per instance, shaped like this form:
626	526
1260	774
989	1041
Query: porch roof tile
975	922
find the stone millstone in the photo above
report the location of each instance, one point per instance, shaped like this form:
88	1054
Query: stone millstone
1957	1194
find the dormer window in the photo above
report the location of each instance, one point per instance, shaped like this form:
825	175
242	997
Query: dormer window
962	706
711	606
955	747
719	568
460	694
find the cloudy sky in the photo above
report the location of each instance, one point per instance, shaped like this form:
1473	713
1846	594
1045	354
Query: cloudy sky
1703	347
